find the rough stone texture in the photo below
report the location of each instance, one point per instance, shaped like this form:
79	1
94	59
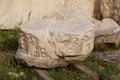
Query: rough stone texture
111	56
15	12
71	13
107	31
49	43
106	26
111	9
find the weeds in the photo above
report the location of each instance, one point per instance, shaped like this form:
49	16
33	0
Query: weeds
62	74
8	39
29	14
98	16
105	70
9	65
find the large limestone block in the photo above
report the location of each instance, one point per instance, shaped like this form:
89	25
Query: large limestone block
49	43
111	9
71	13
106	26
15	12
107	31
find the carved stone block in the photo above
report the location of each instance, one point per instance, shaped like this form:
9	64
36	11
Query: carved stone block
49	43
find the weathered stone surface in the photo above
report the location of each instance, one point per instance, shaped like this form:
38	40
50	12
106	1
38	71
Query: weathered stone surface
15	12
68	13
49	43
107	31
106	26
109	56
111	9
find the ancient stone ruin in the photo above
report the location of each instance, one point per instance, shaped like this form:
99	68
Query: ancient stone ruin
49	43
54	33
16	12
111	9
107	31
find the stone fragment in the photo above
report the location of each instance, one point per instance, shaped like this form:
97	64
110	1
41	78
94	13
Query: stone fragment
109	56
51	43
13	74
15	12
107	31
111	9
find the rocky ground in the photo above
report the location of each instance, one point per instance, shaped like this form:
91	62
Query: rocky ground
111	56
105	71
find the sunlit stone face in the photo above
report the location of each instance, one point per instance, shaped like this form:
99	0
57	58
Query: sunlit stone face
15	12
55	43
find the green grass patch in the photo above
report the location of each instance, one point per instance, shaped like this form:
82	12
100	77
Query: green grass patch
10	69
106	71
62	73
8	39
9	66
